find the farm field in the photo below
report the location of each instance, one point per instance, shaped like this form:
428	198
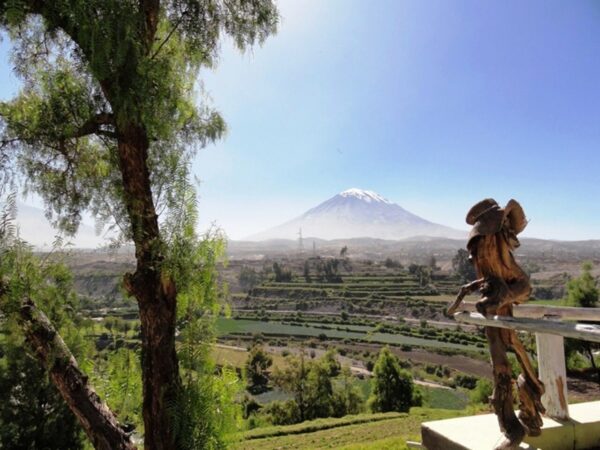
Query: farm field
226	326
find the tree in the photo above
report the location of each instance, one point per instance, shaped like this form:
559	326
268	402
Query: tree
392	263
330	363
257	366
306	272
293	379
329	270
392	387
282	274
583	292
344	251
423	273
33	413
348	399
316	390
107	122
248	278
319	390
462	266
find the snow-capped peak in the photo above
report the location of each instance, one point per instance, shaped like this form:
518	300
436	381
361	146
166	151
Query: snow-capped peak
367	196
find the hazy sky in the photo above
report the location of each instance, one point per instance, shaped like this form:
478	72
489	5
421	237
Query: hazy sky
433	104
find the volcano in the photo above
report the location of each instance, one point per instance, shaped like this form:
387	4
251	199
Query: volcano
358	213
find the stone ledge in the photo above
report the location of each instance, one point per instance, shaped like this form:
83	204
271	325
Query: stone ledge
481	432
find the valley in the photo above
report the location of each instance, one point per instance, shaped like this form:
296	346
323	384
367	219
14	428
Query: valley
297	304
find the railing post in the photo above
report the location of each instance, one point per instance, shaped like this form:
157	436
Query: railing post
553	373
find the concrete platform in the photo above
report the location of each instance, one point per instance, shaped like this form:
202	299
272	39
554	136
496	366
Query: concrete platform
581	432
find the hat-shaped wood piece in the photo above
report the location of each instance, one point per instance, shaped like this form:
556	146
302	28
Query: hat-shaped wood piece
488	218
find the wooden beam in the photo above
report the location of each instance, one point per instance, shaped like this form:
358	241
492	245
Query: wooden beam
547	312
585	332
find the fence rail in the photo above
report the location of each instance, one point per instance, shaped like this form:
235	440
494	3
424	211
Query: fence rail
551	325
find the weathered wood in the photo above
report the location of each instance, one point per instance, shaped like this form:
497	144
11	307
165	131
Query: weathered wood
553	373
546	312
582	331
97	420
502	284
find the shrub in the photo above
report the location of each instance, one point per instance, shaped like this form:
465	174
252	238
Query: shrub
482	391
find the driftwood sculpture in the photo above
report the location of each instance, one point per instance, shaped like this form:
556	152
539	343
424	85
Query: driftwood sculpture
502	283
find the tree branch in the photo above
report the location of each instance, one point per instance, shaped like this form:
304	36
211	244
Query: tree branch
98	421
92	126
168	36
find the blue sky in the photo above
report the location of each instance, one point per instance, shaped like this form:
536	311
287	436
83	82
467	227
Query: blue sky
433	104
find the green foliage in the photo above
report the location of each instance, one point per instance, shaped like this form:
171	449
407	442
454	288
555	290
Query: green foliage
462	266
118	382
249	406
91	59
583	290
423	273
248	278
328	270
482	392
108	86
306	272
348	397
282	274
257	369
32	413
319	388
330	363
392	386
205	412
282	412
466	381
392	263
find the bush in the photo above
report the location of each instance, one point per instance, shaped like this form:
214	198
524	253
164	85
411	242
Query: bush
282	413
466	381
393	388
482	392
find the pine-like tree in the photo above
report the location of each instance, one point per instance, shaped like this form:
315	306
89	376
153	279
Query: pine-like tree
107	121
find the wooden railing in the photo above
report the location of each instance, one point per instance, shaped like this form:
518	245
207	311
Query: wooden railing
551	325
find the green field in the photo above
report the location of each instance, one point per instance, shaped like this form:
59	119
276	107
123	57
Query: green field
227	326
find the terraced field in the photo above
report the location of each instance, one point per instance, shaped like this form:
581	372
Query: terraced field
367	289
357	333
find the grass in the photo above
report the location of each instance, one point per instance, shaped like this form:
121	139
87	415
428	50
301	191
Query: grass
310	426
389	433
450	399
381	444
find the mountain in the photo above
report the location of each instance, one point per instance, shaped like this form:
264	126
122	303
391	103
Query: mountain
36	230
358	213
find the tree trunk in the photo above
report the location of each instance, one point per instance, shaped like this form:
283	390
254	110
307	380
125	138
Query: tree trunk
154	291
97	420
